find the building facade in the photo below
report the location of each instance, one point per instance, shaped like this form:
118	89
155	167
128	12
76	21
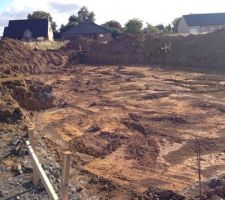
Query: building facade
89	30
201	23
29	30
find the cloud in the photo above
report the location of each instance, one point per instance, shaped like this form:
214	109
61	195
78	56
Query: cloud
62	8
154	12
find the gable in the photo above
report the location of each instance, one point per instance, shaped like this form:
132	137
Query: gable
16	28
205	19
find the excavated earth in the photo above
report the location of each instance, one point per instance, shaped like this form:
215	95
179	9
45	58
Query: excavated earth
132	129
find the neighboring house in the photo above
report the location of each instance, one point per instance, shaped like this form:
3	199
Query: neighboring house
90	30
201	23
29	29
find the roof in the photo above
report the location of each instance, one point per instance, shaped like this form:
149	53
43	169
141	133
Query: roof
205	19
87	27
16	28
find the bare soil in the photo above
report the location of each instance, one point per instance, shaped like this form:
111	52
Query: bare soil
133	128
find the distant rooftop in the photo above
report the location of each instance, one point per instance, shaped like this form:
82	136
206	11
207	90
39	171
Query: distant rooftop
87	27
205	19
15	29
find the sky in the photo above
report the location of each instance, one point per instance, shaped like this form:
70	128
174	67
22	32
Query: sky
151	11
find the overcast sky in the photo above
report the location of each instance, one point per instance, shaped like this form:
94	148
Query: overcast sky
152	11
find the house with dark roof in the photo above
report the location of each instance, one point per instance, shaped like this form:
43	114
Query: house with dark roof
201	23
90	30
29	29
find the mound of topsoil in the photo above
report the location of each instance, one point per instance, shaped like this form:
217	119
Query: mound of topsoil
30	94
206	50
9	109
16	57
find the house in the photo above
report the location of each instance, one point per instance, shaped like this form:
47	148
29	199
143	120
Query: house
201	23
90	30
29	29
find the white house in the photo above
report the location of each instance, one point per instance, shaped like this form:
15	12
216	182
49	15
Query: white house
201	23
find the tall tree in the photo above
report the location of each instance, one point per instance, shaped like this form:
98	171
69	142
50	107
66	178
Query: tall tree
82	15
175	24
151	29
134	26
42	15
115	28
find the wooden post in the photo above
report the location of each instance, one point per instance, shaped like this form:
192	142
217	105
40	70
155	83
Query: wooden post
65	175
198	147
36	177
41	173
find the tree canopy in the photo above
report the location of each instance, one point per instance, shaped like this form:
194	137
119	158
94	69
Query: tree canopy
134	26
151	29
42	15
82	15
115	28
175	24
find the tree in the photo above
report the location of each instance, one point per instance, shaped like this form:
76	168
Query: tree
168	29
151	29
115	28
175	24
160	27
134	26
112	24
82	15
42	15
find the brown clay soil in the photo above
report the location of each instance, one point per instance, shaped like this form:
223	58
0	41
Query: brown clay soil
134	128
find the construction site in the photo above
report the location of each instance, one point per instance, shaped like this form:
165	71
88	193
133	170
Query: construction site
143	117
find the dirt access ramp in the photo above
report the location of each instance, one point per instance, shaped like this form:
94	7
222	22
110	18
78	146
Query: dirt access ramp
189	51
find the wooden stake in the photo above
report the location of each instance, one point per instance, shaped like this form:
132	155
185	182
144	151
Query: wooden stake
36	177
199	166
65	175
50	190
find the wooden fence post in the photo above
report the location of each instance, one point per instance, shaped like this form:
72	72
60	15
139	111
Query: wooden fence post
41	173
65	175
36	178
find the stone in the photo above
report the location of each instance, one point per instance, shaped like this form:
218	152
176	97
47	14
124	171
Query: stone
1	193
215	197
15	142
213	183
22	152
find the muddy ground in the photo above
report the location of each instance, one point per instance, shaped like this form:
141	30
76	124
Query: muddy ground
134	128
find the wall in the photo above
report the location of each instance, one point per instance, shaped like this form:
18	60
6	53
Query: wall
182	26
105	37
50	32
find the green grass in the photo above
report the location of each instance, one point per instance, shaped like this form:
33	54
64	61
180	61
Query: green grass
44	45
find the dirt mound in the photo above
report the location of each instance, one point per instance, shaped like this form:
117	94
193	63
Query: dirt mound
191	51
98	145
80	44
143	150
9	109
17	57
124	50
31	95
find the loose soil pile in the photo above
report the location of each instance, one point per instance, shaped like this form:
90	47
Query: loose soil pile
16	58
30	94
191	51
